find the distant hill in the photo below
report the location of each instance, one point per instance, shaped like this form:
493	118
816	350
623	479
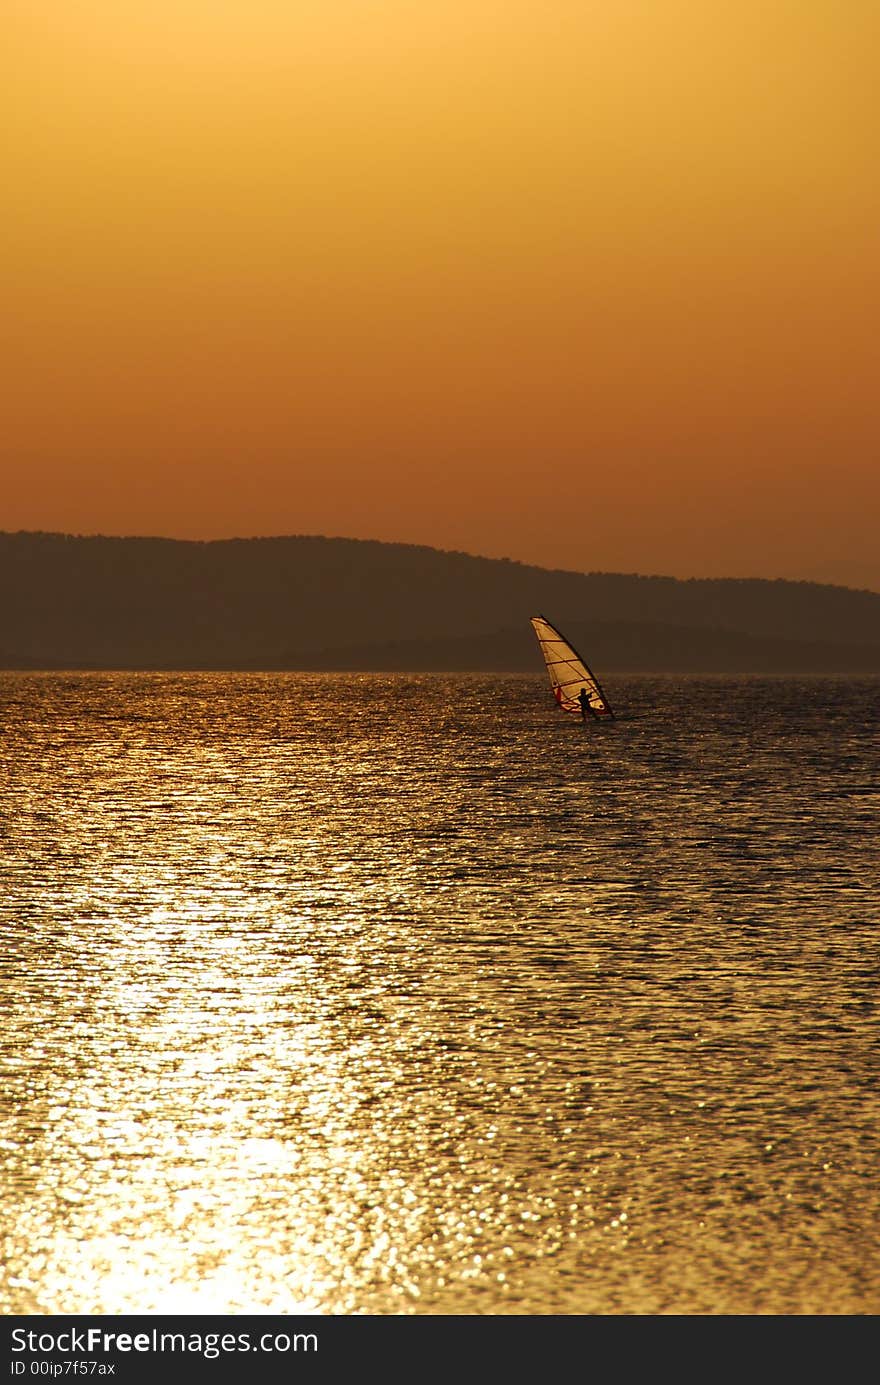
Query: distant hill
308	602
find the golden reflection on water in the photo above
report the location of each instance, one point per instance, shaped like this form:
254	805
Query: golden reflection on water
468	1016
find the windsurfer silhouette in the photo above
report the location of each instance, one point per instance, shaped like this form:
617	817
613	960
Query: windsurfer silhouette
584	700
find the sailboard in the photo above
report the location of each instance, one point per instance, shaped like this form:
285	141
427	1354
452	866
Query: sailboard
569	674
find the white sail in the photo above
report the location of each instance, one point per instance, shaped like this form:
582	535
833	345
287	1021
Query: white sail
569	674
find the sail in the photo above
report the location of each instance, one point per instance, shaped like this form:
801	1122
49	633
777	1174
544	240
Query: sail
568	673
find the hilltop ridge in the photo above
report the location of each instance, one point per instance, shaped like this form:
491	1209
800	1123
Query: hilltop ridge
309	601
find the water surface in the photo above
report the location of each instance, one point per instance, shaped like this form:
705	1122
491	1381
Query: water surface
409	994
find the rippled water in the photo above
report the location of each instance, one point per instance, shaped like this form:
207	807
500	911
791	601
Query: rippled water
371	994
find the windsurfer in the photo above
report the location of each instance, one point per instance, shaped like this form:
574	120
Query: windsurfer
568	671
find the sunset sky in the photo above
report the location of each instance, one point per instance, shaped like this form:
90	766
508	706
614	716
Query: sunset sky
585	283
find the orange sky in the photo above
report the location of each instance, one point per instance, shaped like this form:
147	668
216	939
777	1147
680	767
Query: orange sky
587	284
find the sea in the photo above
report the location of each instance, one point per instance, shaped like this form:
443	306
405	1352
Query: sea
402	994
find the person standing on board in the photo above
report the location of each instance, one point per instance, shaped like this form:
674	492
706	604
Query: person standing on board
584	700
